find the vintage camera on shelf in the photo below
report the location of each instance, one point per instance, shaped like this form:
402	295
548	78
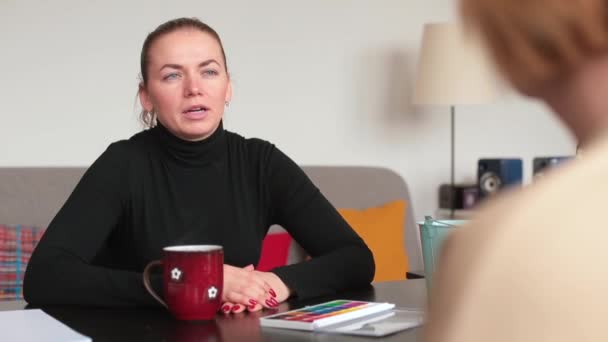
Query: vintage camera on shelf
458	197
540	165
493	175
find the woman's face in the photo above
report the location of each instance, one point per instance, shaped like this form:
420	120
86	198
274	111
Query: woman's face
187	85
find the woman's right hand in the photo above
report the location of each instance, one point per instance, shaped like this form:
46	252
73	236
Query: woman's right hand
244	289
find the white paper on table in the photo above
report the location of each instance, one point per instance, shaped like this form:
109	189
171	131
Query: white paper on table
35	325
381	324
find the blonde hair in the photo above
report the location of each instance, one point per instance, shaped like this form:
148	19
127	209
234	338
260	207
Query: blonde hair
539	41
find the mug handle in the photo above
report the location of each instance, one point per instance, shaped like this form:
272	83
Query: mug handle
147	281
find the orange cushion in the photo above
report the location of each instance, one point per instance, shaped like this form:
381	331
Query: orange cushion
382	229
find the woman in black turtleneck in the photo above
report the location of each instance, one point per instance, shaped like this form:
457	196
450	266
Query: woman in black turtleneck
188	181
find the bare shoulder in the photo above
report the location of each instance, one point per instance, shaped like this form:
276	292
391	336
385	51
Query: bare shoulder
508	274
535	230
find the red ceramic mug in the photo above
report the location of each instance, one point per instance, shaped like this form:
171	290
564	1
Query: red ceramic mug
193	278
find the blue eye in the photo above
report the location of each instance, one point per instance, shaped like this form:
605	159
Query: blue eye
210	72
171	76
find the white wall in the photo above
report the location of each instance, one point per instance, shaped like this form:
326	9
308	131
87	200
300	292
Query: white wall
329	82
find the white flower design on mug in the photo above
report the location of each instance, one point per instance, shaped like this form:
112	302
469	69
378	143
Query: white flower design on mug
212	292
176	274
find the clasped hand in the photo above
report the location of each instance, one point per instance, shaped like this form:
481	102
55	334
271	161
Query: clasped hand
248	289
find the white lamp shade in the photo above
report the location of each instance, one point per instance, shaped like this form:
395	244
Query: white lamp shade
453	68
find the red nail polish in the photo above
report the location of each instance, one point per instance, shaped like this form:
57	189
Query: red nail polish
252	306
235	308
274	302
226	308
268	302
272	293
253	302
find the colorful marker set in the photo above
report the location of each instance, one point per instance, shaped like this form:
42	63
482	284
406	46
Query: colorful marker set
320	315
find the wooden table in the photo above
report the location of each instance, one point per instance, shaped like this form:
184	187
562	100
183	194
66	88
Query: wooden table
158	325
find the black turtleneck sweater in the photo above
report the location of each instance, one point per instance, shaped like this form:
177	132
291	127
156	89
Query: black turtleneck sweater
156	190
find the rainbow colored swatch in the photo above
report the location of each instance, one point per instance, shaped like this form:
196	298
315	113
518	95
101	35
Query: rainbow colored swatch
319	315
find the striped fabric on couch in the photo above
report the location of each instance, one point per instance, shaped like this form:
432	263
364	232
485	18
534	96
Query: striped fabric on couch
17	243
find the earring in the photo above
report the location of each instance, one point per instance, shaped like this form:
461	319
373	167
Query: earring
227	103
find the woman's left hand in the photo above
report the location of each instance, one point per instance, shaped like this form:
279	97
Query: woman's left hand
281	292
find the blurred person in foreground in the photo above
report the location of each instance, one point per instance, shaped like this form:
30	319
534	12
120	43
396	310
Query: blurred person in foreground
532	265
